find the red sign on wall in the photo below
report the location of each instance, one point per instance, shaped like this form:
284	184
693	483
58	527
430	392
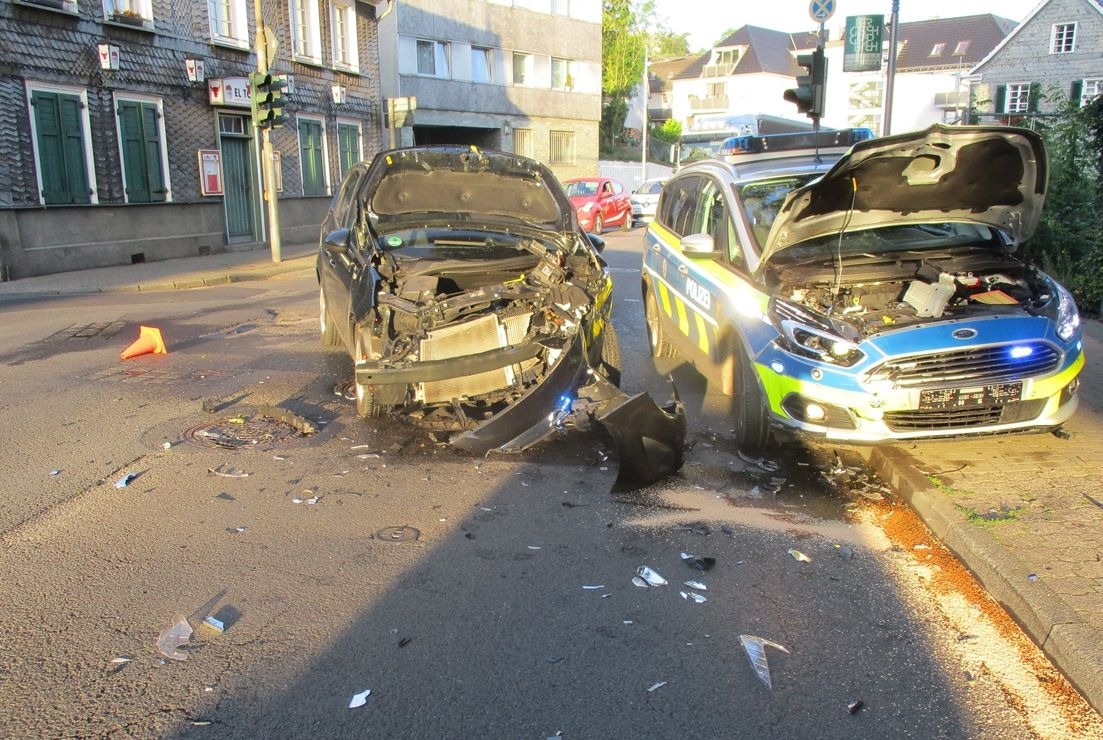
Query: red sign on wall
210	172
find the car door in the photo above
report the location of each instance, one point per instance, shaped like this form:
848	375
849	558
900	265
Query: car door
338	268
607	201
662	262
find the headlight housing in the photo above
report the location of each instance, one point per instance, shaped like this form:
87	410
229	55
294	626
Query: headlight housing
1068	318
809	334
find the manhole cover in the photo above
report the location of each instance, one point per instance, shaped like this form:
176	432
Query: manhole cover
397	534
238	433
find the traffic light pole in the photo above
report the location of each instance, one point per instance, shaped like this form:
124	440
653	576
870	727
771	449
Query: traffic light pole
267	160
819	46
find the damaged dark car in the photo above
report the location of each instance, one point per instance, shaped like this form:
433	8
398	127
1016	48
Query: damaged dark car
471	302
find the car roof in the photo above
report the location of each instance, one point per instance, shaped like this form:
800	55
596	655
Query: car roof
762	166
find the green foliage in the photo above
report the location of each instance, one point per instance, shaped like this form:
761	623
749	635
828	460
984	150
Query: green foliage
669	45
624	37
669	131
1069	241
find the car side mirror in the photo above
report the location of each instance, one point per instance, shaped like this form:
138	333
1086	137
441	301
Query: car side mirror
699	246
337	241
596	242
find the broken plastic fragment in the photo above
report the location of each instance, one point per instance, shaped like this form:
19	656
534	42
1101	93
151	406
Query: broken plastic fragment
215	624
799	556
697	585
694	597
125	480
593	588
227	472
651	577
359	700
639	582
658	685
756	653
173	637
121	659
236	530
55	471
768	465
855	706
697	563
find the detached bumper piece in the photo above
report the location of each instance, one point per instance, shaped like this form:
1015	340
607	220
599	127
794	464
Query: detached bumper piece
649	439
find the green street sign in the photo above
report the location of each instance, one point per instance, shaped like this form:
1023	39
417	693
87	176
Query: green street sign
862	52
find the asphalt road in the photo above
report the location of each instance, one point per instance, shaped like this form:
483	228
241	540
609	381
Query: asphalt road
510	612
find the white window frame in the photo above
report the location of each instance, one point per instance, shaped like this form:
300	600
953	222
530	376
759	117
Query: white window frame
1055	30
482	53
344	10
1096	88
527	67
152	100
238	22
567	83
142	8
306	35
441	57
325	153
1020	92
86	135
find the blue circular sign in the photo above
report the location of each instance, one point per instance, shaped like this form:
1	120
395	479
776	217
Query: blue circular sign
821	10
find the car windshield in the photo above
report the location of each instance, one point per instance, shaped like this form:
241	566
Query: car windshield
762	201
450	244
582	187
651	187
901	237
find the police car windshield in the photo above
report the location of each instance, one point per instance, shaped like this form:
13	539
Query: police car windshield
762	201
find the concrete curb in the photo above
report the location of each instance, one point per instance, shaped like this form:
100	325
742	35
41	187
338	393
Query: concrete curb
1071	644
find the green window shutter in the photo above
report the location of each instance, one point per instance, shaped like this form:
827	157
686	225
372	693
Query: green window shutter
1035	97
1001	98
60	148
310	152
151	134
72	134
348	144
1076	93
134	158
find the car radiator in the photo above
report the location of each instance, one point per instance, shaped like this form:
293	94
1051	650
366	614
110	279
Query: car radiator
481	335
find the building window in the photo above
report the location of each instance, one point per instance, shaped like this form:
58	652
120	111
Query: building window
229	22
937	49
561	147
1063	39
961	48
306	40
561	77
524	143
1090	90
348	145
130	12
62	141
480	64
312	156
342	17
432	58
1018	98
522	68
142	142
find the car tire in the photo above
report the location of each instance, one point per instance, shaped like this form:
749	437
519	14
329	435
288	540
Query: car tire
751	420
609	366
656	339
367	405
330	336
599	225
626	224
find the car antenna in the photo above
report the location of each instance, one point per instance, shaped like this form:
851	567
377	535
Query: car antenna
839	244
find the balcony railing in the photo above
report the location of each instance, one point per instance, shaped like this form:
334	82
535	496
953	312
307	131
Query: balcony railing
960	99
718	70
711	103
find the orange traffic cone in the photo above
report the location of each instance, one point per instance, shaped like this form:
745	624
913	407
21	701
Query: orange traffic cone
149	340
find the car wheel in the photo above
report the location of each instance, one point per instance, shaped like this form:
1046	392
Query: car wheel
660	347
610	355
367	405
626	224
751	416
599	225
330	337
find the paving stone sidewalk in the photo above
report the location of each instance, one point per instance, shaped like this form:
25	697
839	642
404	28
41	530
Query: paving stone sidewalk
1025	514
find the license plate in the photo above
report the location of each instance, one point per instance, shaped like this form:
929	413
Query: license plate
980	395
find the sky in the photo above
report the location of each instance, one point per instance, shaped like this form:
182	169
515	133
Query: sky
705	20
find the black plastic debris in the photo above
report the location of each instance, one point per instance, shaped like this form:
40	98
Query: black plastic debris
855	706
701	529
768	465
290	418
405	641
698	563
225	497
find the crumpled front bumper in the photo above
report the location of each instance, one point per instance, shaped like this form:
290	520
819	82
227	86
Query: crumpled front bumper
649	439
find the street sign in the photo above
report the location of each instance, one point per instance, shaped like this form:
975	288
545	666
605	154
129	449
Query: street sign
862	49
821	10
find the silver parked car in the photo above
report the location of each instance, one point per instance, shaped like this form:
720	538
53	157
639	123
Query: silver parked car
645	198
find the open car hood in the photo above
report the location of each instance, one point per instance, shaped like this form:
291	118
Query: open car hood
458	185
991	175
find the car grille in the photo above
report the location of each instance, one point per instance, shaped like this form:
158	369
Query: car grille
469	338
963	418
969	366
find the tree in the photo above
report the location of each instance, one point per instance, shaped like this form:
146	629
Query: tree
624	35
665	44
670	131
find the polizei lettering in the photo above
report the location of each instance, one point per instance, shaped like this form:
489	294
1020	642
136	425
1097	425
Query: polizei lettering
698	293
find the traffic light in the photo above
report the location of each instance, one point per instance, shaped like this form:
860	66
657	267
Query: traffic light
809	92
266	99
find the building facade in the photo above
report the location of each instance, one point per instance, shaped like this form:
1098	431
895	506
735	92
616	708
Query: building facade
129	132
1055	55
516	75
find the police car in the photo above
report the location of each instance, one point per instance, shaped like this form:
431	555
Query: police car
865	290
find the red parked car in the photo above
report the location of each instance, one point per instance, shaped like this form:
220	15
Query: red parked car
599	202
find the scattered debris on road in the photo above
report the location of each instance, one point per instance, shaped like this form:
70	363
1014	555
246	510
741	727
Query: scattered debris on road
649	577
756	653
359	700
125	480
701	564
173	637
799	556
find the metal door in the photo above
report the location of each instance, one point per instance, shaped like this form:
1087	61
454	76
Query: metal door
240	193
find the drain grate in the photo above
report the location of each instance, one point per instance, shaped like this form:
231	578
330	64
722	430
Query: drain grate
87	331
251	433
151	375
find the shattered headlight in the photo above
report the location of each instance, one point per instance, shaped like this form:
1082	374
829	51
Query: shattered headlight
808	334
1068	318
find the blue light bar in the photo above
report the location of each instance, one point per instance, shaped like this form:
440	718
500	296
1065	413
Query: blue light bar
793	141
